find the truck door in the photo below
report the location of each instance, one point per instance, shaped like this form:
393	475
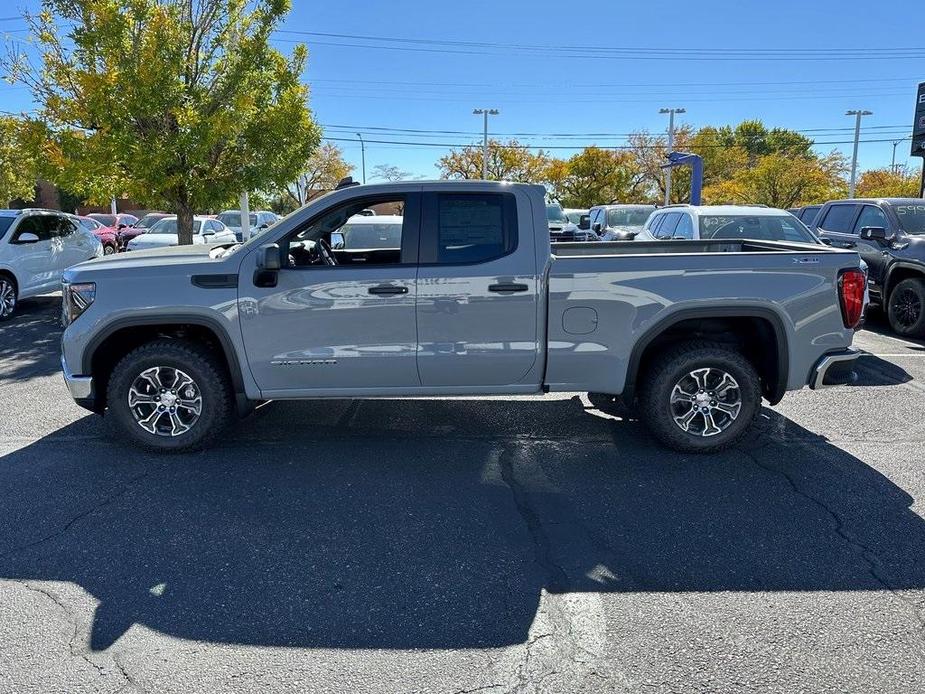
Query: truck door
478	295
334	323
873	253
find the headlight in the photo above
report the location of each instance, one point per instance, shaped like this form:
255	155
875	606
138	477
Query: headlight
75	299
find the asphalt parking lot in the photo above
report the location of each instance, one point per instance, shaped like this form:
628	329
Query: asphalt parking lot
519	544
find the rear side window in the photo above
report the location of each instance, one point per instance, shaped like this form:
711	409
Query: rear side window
808	215
685	228
838	218
668	225
474	228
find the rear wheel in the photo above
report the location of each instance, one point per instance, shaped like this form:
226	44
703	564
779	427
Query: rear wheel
109	249
701	397
169	395
906	308
8	297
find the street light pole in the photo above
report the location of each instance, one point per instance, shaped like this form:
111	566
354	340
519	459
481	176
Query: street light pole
485	112
670	112
893	159
854	157
363	154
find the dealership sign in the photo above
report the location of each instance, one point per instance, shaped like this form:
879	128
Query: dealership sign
918	128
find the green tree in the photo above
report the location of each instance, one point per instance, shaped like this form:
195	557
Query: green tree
509	161
182	103
19	167
593	176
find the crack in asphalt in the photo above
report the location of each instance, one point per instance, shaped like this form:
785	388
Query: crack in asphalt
75	519
863	551
74	650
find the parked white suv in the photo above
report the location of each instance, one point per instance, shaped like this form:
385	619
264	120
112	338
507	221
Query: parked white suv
165	233
36	246
737	222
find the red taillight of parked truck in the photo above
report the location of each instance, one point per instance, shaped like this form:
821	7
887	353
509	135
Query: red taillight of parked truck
851	285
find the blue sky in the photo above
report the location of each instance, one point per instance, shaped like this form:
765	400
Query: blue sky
580	74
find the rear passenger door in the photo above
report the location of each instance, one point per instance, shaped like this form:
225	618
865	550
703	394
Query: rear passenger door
837	224
478	295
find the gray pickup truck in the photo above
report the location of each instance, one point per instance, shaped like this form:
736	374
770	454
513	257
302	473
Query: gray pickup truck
457	292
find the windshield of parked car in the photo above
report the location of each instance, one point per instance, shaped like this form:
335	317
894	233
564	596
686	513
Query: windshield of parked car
5	223
379	235
911	217
168	225
148	221
554	213
90	224
782	227
575	216
233	219
108	220
627	217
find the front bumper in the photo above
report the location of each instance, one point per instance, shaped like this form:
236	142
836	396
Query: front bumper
80	387
835	369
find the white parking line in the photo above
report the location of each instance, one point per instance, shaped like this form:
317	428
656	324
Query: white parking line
896	339
900	354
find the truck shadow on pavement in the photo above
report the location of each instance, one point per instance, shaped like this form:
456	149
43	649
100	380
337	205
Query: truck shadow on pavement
436	524
29	341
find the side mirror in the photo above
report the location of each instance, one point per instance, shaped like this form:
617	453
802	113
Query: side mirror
596	228
264	226
122	225
337	240
27	237
584	222
268	258
877	234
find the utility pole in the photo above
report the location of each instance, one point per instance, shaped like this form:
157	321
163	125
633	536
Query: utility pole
112	205
485	112
670	112
857	138
893	159
245	216
363	155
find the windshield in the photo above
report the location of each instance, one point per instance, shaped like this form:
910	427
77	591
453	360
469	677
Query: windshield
90	224
105	219
782	227
384	235
911	218
5	223
148	221
628	217
168	225
554	213
575	215
233	219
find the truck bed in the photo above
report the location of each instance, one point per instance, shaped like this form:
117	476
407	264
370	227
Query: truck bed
605	298
677	247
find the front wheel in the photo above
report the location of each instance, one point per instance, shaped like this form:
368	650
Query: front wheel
108	249
169	395
906	308
8	297
700	397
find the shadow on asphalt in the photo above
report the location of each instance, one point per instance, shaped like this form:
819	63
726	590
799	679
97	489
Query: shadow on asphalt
436	524
875	321
30	340
875	371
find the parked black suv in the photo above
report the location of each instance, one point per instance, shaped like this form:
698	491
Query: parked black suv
889	233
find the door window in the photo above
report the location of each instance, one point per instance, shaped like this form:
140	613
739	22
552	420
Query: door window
871	217
838	219
40	225
469	227
388	237
61	226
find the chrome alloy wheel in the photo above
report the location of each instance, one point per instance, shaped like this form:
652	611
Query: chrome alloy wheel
7	297
165	401
705	402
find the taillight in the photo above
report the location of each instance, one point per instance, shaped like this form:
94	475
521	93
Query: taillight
851	284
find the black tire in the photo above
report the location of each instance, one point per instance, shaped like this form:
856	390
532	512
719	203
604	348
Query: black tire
906	308
211	386
9	296
108	249
677	364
